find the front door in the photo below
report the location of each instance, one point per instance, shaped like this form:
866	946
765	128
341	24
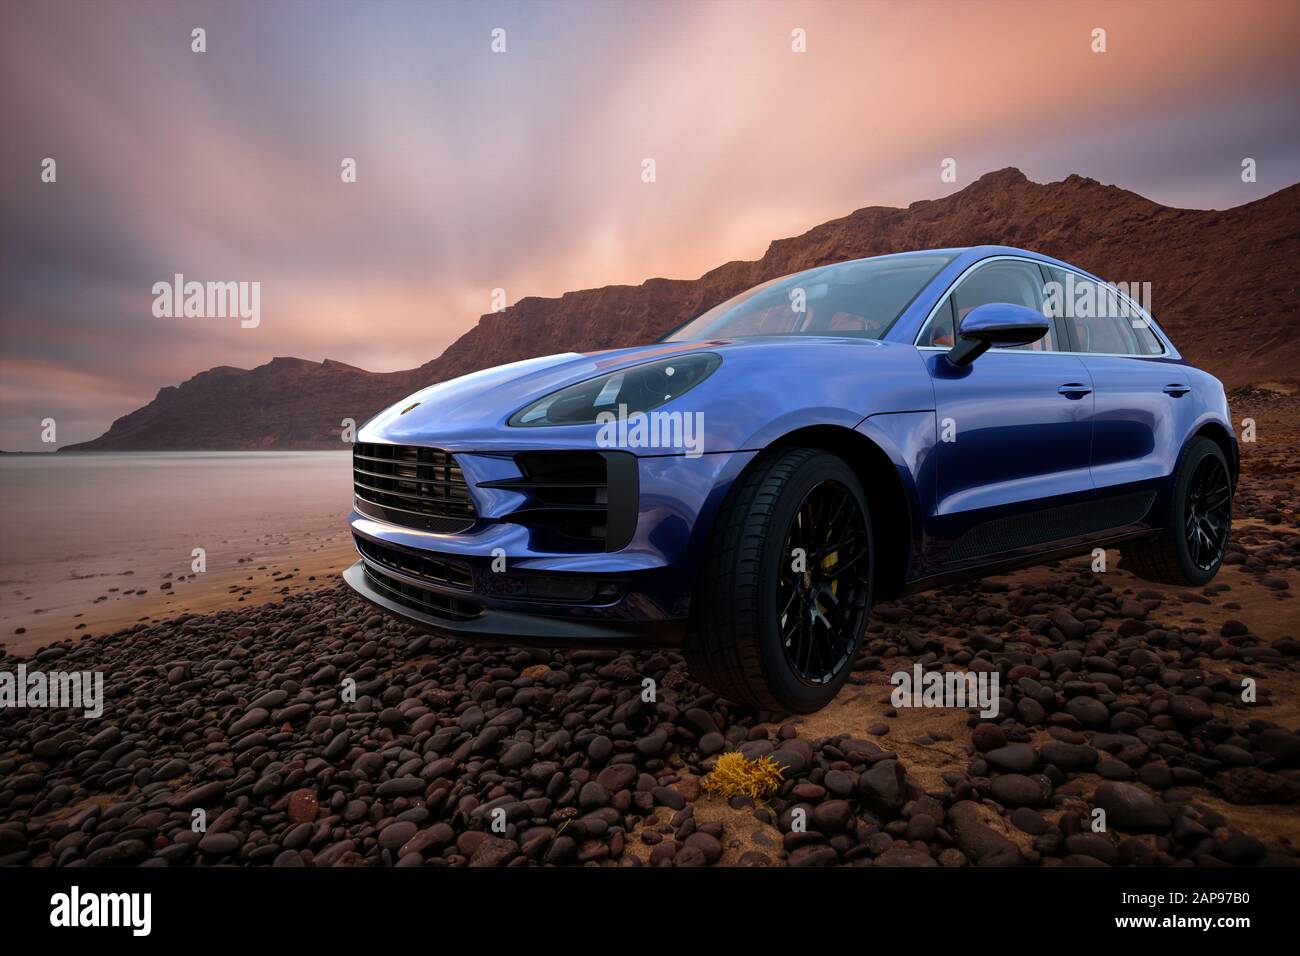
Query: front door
1015	432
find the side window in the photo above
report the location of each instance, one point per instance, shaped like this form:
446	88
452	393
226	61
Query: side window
1148	342
1100	319
939	331
1008	280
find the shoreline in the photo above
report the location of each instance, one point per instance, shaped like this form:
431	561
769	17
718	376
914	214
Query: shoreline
101	541
254	581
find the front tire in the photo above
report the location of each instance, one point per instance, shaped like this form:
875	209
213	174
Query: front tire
786	585
1191	548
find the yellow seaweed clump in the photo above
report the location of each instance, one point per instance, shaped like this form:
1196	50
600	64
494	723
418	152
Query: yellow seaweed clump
734	775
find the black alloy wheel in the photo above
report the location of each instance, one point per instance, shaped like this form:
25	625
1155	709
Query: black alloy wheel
1195	525
1208	512
786	586
825	584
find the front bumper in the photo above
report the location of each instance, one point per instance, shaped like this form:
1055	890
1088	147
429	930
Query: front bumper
516	628
509	586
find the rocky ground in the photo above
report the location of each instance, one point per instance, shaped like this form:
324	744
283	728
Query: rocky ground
1117	695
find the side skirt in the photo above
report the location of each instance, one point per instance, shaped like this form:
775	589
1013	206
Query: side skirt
1024	561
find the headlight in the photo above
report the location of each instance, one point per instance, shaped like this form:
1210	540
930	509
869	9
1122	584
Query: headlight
636	389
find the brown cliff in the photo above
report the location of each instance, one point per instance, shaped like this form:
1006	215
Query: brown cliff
1223	285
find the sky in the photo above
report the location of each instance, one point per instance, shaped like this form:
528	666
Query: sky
524	170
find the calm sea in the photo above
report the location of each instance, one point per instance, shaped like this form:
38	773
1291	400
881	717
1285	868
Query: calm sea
72	525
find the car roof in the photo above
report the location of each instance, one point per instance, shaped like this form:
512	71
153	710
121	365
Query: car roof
971	254
963	256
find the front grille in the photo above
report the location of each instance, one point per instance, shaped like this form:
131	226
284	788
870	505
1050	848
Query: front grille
421	599
411	485
435	570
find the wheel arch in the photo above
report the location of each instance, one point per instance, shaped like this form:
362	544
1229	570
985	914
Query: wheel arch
1218	433
878	473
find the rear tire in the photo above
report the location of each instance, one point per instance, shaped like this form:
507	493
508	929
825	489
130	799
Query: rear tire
1190	550
765	633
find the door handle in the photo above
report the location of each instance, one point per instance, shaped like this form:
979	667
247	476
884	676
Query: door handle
1074	390
1175	390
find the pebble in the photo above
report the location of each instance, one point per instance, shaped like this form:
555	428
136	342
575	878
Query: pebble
1131	809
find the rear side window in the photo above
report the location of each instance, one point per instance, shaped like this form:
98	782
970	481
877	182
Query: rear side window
1098	317
1148	342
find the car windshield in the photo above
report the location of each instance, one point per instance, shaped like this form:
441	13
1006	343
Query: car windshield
860	299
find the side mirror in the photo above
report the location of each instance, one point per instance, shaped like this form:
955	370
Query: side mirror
997	324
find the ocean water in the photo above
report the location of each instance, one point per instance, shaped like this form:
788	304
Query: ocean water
72	526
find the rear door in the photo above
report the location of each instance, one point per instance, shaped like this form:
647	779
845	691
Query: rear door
1015	428
1142	404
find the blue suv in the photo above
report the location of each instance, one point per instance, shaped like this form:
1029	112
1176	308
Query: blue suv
747	486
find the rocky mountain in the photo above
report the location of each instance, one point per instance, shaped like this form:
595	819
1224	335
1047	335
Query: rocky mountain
1223	284
286	404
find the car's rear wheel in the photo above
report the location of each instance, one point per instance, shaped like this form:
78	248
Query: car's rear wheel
786	585
1191	548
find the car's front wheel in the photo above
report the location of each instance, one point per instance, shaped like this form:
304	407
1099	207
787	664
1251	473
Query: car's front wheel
786	585
1191	548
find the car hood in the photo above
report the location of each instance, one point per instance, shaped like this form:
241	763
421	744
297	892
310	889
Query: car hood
492	395
471	411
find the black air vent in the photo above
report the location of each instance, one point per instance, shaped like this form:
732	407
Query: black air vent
426	567
583	500
421	599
